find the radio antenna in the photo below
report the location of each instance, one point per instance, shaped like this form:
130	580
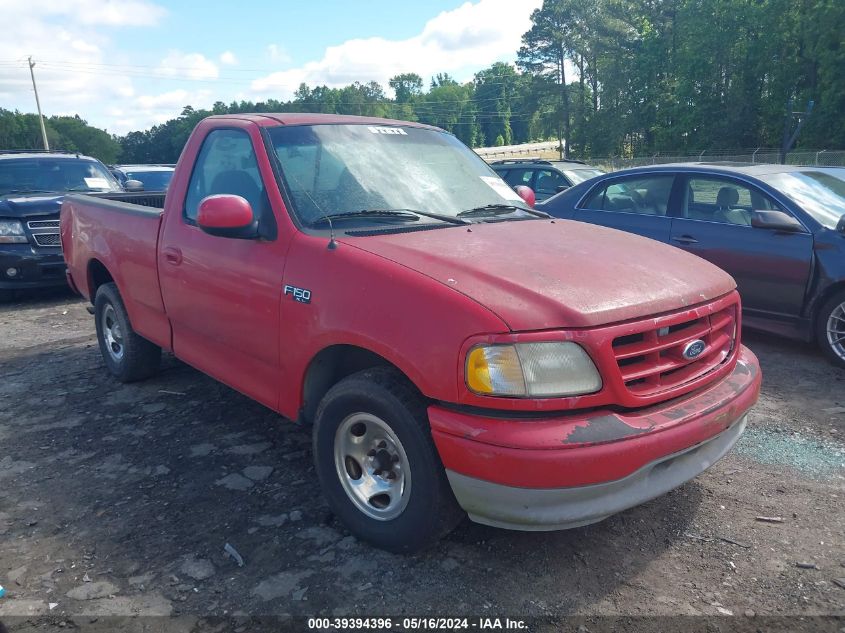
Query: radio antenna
332	243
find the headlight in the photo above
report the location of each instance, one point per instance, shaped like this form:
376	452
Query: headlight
537	370
11	232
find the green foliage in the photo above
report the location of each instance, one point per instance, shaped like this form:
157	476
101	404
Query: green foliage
22	131
681	75
611	77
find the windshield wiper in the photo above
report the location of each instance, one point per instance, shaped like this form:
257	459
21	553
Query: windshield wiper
499	209
401	214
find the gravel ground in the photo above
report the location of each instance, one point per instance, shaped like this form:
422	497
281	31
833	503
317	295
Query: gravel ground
119	499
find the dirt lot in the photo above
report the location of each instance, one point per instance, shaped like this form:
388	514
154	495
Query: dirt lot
119	499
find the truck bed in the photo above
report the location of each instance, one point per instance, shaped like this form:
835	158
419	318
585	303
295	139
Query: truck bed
151	200
115	236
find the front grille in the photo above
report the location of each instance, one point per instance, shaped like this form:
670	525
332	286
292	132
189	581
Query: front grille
43	224
45	232
47	239
652	360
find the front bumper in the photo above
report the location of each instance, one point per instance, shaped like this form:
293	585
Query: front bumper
36	267
577	469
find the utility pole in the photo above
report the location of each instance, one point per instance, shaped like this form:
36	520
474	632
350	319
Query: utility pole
789	140
38	105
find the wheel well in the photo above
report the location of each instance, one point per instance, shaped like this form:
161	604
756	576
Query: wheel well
831	290
329	367
98	275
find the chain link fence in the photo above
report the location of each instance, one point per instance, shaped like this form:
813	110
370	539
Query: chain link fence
547	150
760	155
763	155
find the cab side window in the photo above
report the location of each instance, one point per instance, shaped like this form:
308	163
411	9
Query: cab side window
227	164
647	195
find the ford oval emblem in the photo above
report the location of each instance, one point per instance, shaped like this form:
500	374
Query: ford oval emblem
693	349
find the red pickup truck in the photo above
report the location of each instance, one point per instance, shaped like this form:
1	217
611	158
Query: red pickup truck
455	351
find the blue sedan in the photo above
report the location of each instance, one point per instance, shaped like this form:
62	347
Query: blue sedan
778	230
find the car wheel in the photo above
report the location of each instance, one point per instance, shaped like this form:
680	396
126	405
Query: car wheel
377	463
830	329
128	355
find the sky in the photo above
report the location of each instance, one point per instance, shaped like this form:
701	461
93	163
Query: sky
129	64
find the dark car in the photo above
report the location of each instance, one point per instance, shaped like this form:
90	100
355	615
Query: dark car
545	177
153	177
778	229
32	185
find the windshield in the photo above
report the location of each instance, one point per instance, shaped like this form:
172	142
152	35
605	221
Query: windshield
153	180
344	169
577	176
23	175
819	193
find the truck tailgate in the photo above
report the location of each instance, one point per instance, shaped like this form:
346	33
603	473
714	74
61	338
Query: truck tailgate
116	238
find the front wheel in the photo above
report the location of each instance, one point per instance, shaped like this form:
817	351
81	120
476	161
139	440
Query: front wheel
127	355
377	463
830	329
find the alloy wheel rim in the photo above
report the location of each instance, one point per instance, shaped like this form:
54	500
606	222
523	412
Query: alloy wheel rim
372	466
112	333
836	330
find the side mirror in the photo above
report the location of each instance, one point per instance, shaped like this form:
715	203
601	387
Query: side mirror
527	194
776	221
133	185
840	226
226	215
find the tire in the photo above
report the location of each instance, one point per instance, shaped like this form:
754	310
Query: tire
7	296
830	329
373	424
128	356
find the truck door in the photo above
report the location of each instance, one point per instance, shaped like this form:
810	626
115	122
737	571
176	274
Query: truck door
771	268
222	294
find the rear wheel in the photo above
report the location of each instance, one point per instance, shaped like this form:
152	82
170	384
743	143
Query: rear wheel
830	329
377	463
127	355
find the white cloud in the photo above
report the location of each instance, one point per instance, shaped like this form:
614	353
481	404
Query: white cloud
190	65
84	47
278	54
86	12
460	41
68	40
82	67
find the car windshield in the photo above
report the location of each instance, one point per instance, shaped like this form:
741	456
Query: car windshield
345	169
153	180
577	176
23	175
819	193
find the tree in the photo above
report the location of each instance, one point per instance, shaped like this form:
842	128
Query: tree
545	49
406	87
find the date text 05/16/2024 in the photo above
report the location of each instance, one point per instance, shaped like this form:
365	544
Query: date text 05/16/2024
416	624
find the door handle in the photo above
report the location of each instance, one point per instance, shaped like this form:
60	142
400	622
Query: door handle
685	239
172	255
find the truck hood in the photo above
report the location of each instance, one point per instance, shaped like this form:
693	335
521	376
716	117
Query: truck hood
539	274
23	206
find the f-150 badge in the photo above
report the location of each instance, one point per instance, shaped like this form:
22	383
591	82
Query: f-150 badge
299	294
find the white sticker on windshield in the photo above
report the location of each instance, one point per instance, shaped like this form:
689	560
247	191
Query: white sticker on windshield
387	130
97	183
501	187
